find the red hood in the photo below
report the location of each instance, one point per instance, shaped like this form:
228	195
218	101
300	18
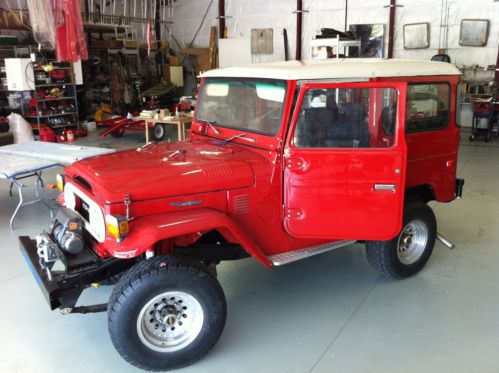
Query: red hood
200	167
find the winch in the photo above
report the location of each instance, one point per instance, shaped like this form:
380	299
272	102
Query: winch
67	230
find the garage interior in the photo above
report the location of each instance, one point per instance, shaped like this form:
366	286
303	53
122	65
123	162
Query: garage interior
138	64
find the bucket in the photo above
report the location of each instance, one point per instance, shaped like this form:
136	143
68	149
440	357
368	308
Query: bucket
70	135
91	126
47	134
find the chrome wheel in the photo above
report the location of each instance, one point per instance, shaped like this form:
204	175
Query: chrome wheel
170	321
412	242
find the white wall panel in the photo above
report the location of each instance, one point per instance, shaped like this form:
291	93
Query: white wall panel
330	13
278	15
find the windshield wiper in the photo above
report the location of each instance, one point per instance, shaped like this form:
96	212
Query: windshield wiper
211	123
239	135
139	149
175	153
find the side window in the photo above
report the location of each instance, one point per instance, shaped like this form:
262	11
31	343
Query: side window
347	118
427	107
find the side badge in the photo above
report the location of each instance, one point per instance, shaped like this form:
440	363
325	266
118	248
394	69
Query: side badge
186	203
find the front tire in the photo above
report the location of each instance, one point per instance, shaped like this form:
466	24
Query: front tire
407	253
166	313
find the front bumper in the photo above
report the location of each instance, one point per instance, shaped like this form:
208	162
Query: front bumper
62	288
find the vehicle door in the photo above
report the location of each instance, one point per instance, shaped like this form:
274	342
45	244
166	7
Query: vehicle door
345	159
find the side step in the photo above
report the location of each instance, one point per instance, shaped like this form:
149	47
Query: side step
293	256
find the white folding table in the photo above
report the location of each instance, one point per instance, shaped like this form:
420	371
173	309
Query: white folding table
61	153
21	161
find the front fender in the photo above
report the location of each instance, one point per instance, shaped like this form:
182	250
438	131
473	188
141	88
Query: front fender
147	230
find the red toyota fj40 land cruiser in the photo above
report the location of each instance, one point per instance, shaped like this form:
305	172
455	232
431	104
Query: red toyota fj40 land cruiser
284	161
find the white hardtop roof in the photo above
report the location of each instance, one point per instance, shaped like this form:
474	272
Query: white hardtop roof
345	68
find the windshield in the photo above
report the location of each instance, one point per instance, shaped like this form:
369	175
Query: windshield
245	104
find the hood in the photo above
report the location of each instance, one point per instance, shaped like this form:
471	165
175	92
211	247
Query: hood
197	167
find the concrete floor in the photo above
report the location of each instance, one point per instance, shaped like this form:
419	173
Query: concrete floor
330	313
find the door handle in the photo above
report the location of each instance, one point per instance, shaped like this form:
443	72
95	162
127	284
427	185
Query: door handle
390	187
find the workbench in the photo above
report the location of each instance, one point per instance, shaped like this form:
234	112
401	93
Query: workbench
180	121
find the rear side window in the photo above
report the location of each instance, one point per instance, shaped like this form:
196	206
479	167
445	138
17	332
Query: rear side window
427	107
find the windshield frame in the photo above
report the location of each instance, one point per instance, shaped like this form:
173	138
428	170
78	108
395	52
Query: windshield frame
281	82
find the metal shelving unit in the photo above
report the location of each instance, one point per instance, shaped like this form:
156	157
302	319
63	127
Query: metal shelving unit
338	46
99	90
49	115
54	119
49	111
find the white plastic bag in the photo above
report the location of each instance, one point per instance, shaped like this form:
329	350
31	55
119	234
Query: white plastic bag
20	128
42	22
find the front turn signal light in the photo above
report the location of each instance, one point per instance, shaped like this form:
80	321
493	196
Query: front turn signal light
60	182
117	226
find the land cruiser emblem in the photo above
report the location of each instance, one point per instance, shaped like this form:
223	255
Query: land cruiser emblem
187	203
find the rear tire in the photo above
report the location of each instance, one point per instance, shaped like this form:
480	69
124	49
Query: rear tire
166	313
407	253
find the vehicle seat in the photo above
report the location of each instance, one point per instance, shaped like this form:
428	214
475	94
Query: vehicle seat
314	125
354	115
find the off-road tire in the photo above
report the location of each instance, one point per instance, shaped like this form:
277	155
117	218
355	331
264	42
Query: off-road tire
383	256
145	281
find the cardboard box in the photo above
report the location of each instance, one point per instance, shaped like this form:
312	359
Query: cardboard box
130	43
175	61
166	72
195	51
203	62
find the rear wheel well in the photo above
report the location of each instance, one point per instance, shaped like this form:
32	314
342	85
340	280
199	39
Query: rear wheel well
424	193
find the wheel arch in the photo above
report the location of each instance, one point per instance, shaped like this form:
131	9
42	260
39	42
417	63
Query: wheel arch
146	231
424	193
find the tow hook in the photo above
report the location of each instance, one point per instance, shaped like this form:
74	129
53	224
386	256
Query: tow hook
445	241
